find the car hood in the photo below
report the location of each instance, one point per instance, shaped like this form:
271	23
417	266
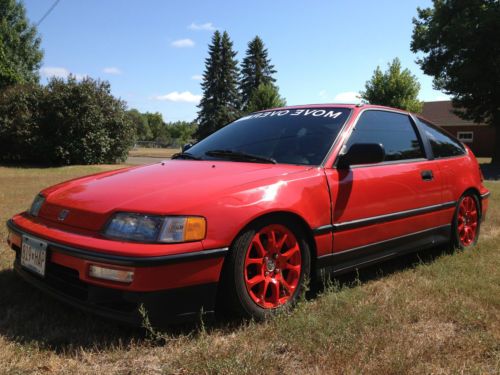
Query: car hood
169	187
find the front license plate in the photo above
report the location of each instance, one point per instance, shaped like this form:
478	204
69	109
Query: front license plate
34	254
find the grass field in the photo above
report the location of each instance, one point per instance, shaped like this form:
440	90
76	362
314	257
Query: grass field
436	312
484	160
153	152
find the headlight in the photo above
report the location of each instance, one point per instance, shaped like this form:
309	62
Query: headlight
36	205
151	228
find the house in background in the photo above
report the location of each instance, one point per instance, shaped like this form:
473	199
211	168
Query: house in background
479	137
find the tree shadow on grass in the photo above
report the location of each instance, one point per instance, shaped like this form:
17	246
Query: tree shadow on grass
29	316
28	165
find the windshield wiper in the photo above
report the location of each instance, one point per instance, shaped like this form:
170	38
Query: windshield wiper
185	155
238	155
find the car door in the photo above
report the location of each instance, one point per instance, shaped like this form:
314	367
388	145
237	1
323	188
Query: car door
375	204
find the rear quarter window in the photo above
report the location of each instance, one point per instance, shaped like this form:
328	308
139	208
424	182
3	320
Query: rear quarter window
443	145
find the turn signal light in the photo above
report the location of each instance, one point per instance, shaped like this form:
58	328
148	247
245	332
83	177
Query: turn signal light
195	229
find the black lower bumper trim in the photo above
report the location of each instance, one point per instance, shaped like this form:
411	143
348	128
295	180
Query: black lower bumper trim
366	255
162	307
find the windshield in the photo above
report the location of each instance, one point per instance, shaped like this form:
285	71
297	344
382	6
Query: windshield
290	136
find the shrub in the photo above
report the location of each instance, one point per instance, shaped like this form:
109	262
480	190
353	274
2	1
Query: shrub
19	122
83	123
66	122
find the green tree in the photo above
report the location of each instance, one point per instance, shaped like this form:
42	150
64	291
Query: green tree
460	42
264	97
20	53
221	100
142	130
394	88
256	69
182	131
157	126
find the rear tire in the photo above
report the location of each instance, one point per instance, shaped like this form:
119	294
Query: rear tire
266	269
466	221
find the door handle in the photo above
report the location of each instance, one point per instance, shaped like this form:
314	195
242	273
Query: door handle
427	175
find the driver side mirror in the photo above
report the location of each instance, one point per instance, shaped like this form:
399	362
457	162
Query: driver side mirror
362	153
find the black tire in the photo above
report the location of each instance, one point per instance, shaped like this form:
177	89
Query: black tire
234	294
456	240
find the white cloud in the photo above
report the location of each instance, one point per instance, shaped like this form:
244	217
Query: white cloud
197	77
347	97
183	43
54	71
59	72
112	70
175	96
208	26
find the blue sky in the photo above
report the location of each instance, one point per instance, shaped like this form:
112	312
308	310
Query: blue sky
153	51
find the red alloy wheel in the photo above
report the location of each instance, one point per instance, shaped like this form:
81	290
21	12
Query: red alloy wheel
272	266
467	221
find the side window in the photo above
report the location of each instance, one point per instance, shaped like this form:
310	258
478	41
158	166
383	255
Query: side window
442	145
393	130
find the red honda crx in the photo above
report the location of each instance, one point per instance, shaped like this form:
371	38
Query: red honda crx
241	219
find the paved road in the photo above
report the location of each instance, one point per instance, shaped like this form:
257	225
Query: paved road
140	160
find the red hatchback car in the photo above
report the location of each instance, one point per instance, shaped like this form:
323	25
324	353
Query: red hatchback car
244	217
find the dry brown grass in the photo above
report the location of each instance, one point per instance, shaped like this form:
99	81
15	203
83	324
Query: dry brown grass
153	152
437	312
484	160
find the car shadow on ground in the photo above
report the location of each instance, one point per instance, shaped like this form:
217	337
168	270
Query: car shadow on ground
29	316
381	270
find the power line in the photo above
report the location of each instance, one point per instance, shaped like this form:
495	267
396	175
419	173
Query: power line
47	12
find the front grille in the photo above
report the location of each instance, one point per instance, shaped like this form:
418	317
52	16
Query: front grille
66	281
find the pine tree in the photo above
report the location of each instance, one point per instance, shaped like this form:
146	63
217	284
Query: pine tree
221	101
256	70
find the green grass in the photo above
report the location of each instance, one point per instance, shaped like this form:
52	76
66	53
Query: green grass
435	312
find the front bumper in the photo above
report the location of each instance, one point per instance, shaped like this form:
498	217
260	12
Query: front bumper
171	288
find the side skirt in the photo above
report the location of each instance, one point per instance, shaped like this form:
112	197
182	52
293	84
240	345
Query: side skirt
363	256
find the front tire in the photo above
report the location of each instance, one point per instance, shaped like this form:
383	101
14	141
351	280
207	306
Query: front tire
466	221
267	267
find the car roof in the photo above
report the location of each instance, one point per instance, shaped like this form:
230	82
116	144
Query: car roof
338	105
